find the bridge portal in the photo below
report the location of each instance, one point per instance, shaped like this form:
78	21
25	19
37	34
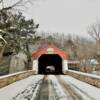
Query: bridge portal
50	60
50	64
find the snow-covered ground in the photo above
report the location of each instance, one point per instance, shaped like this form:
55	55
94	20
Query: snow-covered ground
96	73
27	88
89	92
20	89
59	93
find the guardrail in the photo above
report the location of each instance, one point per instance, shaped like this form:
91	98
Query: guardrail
8	79
85	77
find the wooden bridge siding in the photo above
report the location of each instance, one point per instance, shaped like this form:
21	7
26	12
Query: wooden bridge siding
13	78
85	78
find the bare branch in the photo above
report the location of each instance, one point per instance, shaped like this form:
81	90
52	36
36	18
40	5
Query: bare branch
12	6
94	31
16	4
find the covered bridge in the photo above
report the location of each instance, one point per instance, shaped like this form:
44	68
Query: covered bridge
50	60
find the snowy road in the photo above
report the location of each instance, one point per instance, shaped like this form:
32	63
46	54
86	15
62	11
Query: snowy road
51	87
70	92
44	90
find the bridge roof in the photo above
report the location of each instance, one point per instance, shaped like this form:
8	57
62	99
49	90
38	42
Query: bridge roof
50	49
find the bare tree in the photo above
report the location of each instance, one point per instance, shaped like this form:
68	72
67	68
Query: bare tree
94	31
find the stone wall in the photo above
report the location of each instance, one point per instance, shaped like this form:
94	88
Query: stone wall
8	79
18	62
85	77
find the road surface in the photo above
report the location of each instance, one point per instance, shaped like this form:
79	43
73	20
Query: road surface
49	87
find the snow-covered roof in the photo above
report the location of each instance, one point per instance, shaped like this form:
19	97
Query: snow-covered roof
94	61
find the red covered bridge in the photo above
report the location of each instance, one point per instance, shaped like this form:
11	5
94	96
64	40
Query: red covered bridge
50	59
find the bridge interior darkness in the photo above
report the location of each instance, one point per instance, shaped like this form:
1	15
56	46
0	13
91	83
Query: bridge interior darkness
50	64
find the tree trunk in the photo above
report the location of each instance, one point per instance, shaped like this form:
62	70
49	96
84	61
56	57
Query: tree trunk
1	52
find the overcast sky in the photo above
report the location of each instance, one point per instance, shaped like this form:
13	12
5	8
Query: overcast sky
65	16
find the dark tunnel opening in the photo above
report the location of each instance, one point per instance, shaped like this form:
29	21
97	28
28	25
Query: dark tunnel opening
50	64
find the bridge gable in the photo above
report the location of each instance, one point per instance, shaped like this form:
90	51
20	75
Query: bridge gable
50	49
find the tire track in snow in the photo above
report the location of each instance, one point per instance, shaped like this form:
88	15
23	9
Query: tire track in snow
44	89
72	94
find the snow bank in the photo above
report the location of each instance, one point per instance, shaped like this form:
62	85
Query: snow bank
14	89
89	90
